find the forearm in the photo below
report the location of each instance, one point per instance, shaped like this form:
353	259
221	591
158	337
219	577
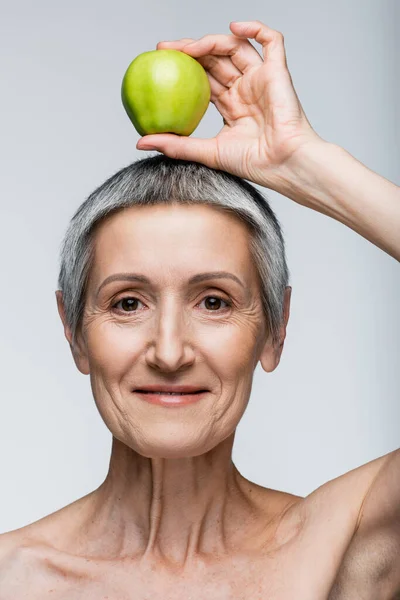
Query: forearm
326	178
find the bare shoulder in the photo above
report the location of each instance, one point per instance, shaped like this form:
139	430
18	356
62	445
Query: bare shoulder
17	559
10	544
26	554
332	512
28	570
346	492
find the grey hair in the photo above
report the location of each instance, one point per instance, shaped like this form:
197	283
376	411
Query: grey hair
162	180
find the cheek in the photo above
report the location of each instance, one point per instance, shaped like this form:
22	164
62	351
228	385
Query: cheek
112	348
231	348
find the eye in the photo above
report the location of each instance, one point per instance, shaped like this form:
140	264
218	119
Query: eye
214	303
129	304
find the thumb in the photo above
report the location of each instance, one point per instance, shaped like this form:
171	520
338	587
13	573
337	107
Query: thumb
182	147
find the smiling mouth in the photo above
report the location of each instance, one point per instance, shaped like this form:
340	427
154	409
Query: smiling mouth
171	393
171	399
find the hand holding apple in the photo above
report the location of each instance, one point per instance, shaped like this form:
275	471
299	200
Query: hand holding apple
165	91
264	122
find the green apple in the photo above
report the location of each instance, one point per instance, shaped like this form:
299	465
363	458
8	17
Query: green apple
165	91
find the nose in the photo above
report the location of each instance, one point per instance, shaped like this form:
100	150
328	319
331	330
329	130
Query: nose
170	349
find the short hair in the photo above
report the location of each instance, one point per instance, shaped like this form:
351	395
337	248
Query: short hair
162	180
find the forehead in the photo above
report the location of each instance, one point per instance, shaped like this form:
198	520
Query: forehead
167	237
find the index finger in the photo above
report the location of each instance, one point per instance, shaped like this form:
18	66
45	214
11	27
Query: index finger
242	54
272	41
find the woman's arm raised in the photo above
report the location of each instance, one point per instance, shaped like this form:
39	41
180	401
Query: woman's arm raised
267	138
326	178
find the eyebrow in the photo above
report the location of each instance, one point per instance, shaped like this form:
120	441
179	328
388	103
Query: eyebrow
136	277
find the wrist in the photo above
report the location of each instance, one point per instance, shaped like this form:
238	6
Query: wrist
306	172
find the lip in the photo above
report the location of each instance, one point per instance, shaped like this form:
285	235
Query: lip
171	401
170	388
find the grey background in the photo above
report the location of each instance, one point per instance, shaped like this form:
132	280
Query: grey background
334	401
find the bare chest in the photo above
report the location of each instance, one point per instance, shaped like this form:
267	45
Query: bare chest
305	569
312	557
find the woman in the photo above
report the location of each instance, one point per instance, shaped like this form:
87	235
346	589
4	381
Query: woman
173	286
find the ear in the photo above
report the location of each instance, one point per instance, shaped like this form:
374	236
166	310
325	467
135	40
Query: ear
78	348
271	354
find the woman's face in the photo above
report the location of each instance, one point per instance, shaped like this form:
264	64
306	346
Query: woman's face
209	332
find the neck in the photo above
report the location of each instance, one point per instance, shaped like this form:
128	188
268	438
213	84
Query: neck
173	510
